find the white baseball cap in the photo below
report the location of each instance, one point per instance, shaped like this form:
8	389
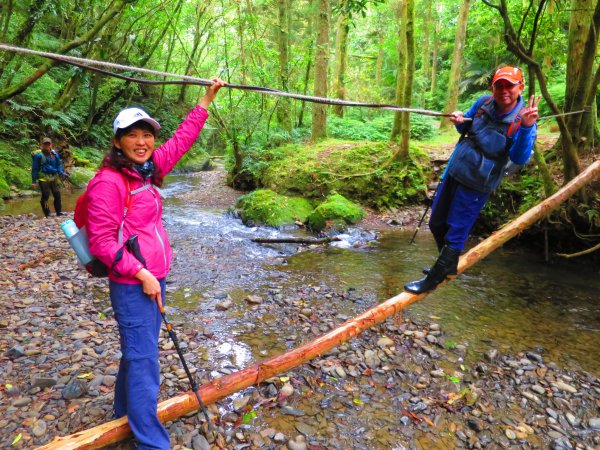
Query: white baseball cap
129	116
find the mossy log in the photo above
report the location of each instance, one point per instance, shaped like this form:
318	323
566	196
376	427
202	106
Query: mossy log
186	403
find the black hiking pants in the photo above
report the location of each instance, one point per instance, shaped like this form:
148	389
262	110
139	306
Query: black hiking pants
47	188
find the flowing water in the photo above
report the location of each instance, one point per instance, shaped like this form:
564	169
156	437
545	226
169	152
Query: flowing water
511	301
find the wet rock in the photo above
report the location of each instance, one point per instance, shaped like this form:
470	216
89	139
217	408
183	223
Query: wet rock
385	342
288	410
224	305
253	300
199	442
491	355
40	428
305	429
74	389
44	382
594	423
475	425
565	387
299	443
538	389
21	401
15	352
371	359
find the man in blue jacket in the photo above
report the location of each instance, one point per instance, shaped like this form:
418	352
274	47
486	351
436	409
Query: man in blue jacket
46	168
501	130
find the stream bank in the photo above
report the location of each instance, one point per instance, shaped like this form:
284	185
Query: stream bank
407	383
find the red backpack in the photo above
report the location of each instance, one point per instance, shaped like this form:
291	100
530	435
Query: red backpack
96	267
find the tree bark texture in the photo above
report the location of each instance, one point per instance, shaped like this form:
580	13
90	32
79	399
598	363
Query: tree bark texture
283	43
180	405
401	76
341	57
319	122
457	62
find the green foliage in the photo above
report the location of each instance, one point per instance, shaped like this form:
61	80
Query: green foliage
266	207
359	171
514	196
87	157
335	212
4	188
195	160
80	176
377	129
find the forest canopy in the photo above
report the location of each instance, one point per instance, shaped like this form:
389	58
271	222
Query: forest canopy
436	55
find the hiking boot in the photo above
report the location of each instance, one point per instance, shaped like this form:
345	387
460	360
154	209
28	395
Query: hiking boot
60	213
444	267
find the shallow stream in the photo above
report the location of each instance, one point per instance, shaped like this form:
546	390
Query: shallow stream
512	301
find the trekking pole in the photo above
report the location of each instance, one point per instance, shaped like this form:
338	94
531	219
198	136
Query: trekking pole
185	366
412	240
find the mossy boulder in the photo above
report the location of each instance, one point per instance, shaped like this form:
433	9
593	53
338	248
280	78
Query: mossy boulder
196	160
265	207
80	176
14	175
4	189
335	212
365	172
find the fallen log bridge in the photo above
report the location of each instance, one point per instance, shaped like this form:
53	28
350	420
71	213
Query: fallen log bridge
180	405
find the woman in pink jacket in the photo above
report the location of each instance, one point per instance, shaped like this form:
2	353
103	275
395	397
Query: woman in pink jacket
126	233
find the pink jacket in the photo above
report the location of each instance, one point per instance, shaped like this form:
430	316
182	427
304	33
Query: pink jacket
107	193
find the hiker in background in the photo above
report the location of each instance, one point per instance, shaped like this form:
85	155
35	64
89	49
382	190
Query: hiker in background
502	131
126	233
46	172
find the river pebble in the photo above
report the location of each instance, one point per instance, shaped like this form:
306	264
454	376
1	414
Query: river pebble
387	388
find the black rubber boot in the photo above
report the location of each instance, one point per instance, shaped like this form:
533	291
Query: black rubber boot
45	208
58	204
445	266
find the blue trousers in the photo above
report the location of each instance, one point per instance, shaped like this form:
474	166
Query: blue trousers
453	213
138	380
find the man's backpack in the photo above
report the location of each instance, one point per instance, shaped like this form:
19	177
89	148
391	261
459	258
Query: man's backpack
96	267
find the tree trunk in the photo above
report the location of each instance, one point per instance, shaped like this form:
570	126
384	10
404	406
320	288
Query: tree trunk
283	37
319	121
410	73
309	62
434	57
69	92
457	62
425	48
218	389
341	56
402	67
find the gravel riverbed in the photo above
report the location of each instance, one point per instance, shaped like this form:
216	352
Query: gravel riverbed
399	385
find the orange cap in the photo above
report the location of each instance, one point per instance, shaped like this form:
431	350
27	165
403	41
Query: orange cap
511	74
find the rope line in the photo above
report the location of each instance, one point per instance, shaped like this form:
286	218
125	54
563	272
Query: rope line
92	64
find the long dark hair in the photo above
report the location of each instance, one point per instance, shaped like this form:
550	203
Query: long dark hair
117	160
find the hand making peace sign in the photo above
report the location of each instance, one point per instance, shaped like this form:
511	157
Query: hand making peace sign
530	114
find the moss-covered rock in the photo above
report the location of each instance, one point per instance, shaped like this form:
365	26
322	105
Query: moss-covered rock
80	176
4	189
362	171
14	175
196	160
265	207
335	212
